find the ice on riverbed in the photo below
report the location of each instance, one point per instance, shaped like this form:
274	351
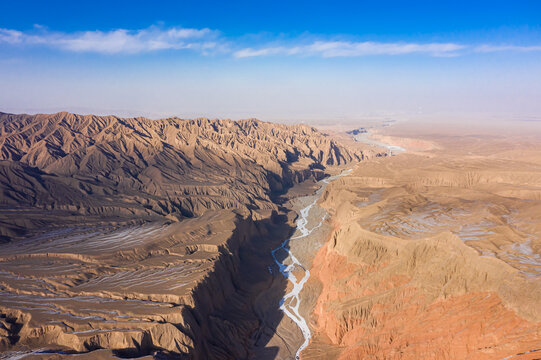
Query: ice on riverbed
290	303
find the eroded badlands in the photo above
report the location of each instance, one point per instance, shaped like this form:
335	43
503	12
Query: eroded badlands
434	253
171	238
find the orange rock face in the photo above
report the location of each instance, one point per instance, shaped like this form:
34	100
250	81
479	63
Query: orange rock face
433	255
471	326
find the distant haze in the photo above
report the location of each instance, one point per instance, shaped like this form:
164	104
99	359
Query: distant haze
298	65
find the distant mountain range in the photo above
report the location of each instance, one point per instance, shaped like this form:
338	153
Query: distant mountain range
104	168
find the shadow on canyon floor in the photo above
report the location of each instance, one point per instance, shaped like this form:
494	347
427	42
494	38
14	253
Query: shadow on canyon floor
243	322
235	308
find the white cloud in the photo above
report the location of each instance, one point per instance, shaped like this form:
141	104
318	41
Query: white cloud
329	49
116	41
205	41
10	36
499	48
278	50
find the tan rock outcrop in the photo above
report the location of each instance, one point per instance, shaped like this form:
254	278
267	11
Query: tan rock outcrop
103	167
431	257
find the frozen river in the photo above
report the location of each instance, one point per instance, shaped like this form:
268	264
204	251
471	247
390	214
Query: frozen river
365	138
290	303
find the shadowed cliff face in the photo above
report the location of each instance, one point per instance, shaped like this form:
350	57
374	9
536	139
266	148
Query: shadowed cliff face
111	169
133	237
180	290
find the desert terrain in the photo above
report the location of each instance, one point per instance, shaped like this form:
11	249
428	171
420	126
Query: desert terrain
435	253
135	237
220	239
270	180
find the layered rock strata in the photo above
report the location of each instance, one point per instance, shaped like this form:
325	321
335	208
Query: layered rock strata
433	256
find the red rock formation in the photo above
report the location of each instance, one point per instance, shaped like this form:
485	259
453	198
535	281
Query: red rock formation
475	325
431	257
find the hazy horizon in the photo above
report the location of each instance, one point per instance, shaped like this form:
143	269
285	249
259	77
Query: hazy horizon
216	60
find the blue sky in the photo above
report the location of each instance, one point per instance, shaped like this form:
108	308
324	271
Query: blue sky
290	60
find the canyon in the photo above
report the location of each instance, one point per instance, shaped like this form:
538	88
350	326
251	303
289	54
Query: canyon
136	237
221	239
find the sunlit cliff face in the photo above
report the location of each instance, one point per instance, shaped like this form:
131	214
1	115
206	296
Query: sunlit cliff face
434	253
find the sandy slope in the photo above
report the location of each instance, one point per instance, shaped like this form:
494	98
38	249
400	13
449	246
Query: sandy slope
435	254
